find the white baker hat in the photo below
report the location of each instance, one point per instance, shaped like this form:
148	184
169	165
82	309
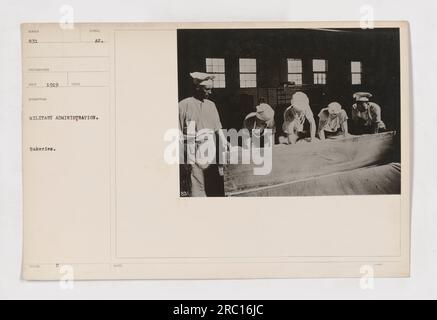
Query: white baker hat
201	78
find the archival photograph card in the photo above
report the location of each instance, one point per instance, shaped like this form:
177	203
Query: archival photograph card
216	150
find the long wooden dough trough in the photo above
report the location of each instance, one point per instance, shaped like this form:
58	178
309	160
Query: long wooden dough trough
333	167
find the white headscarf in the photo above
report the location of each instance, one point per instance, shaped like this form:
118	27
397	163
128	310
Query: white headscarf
300	101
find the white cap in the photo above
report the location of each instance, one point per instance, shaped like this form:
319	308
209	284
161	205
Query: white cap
362	96
334	108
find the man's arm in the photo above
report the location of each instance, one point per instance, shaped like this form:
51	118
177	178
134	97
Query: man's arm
313	127
322	134
354	113
224	144
344	125
345	129
323	120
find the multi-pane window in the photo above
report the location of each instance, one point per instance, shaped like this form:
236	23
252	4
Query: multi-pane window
320	68
216	67
357	72
294	67
247	73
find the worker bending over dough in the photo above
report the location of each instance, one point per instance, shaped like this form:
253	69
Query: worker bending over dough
263	118
257	122
366	115
295	116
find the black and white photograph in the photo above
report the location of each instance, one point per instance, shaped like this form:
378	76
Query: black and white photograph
289	112
218	157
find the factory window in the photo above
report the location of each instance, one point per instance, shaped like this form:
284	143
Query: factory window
247	73
216	67
294	71
320	68
357	72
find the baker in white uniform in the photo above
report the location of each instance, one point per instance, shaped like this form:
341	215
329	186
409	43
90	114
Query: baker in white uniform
333	121
295	116
199	113
366	115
